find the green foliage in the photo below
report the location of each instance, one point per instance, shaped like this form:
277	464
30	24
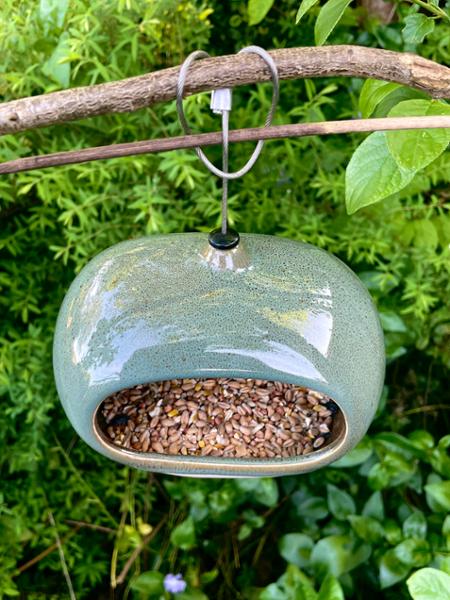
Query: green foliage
369	523
429	584
329	16
258	9
417	27
385	163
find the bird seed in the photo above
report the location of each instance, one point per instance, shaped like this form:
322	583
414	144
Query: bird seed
230	418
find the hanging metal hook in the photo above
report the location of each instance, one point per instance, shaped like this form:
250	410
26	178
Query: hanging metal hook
187	130
221	102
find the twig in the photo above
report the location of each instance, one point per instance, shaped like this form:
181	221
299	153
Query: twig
121	578
79	524
134	93
209	139
62	558
45	552
427	408
115	553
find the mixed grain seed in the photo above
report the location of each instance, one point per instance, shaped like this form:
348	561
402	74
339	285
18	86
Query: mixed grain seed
235	418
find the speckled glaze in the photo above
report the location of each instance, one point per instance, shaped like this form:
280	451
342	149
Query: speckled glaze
167	307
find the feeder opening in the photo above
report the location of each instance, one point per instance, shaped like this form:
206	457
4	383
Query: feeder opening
229	418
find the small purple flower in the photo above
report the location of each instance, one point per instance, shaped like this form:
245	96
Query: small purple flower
174	583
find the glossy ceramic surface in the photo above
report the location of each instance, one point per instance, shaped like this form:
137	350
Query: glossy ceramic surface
171	306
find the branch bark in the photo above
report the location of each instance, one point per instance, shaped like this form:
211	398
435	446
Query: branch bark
134	93
209	139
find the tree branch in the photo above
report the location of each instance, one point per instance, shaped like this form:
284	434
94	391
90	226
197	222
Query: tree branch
134	93
209	139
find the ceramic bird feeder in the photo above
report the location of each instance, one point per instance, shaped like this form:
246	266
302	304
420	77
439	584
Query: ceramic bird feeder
250	307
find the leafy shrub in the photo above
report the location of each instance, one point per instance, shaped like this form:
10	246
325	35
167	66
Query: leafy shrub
355	528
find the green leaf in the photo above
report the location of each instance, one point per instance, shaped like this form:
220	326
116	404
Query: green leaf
54	67
429	584
415	525
183	536
421	439
425	234
338	554
416	28
292	585
257	10
417	148
366	528
340	503
53	12
391	321
191	594
442	224
263	490
391	569
329	16
304	7
330	589
413	552
209	576
296	548
372	174
440	493
374	507
440	460
150	583
357	456
378	477
400	444
313	508
373	92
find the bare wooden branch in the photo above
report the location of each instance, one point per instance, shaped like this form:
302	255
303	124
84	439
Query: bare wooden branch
225	71
209	139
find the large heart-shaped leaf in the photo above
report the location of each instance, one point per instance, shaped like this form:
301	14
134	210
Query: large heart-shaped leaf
373	174
417	148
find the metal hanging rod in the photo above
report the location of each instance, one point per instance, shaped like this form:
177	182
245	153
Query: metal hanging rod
134	93
209	139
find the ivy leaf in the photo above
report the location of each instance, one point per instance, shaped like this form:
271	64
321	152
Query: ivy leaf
262	489
392	322
313	508
374	507
149	583
183	536
372	174
415	525
258	9
329	16
440	493
304	7
296	548
338	554
292	585
413	552
417	27
366	528
357	456
417	148
391	569
429	584
340	503
330	589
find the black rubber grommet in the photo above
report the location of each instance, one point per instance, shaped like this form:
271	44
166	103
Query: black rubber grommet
223	241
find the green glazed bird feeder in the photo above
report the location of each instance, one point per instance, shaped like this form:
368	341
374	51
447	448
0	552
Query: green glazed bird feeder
253	307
